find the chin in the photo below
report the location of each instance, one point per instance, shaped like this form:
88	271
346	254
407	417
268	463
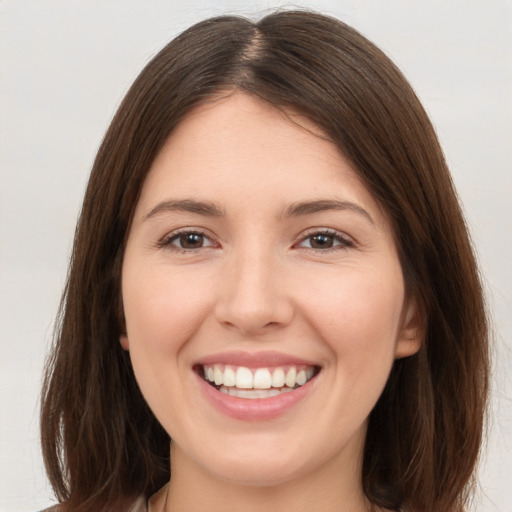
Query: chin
264	462
259	473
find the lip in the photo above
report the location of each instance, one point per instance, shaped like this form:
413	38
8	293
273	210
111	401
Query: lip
257	409
260	359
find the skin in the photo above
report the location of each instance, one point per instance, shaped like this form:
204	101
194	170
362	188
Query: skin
259	281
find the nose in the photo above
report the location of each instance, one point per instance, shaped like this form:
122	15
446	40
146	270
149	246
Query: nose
252	297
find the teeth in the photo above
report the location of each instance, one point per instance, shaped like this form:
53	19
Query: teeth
217	375
270	381
290	377
278	378
244	378
229	376
301	378
253	393
262	379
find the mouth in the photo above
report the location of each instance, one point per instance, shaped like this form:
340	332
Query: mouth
253	383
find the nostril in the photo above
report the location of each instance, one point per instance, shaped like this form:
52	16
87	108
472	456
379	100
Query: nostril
251	304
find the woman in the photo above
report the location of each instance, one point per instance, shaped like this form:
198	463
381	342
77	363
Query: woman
271	269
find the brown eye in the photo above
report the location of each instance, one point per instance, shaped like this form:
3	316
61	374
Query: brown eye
187	241
190	241
326	240
321	241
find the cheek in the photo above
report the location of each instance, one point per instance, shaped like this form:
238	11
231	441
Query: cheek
358	314
161	315
162	311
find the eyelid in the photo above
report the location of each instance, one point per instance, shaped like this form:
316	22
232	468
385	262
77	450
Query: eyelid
166	241
345	240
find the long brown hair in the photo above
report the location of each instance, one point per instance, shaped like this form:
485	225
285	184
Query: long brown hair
101	443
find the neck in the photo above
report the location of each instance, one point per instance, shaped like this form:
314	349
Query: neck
334	487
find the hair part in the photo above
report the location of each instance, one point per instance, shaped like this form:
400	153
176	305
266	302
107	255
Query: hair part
101	443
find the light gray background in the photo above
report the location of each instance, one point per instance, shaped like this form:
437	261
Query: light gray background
64	66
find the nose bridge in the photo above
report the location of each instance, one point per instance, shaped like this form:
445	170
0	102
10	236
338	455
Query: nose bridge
252	297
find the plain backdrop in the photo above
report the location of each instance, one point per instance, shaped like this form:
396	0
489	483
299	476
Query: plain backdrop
64	67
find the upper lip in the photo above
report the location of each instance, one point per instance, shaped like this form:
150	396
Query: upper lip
266	358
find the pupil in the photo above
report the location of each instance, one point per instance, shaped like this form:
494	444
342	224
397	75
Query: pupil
321	241
191	240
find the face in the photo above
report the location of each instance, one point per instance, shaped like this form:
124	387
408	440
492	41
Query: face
263	296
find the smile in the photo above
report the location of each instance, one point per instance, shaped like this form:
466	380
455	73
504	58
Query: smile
253	383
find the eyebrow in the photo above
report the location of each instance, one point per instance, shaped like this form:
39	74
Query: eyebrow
209	209
310	207
186	205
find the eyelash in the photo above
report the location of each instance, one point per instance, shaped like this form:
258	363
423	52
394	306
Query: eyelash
343	241
167	241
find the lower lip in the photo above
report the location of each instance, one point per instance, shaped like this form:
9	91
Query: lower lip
254	409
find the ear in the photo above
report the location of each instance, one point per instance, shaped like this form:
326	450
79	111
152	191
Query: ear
123	339
411	335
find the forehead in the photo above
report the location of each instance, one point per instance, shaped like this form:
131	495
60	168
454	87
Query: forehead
238	148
